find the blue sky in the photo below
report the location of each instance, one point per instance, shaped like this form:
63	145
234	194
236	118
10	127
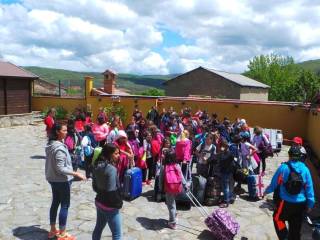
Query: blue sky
136	37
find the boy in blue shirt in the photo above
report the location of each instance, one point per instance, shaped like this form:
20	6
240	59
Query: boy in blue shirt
291	207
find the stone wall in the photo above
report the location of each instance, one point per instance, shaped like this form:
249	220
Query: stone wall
16	120
250	93
202	83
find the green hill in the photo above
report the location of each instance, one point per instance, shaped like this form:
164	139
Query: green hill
133	83
313	65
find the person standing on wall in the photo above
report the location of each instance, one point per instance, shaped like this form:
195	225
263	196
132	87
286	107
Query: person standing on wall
293	182
59	173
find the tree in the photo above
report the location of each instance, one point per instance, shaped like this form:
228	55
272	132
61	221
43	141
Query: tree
279	72
306	86
153	92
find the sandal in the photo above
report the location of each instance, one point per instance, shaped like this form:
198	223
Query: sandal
65	236
53	235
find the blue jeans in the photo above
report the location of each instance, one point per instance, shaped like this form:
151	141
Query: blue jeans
113	218
60	196
226	185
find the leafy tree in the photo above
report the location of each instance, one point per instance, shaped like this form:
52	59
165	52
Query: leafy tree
279	72
306	86
153	92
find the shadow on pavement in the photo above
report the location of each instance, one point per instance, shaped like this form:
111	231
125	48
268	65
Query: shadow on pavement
33	232
149	195
38	157
152	224
267	204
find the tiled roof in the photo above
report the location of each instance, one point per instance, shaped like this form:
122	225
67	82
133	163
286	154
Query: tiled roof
8	69
239	79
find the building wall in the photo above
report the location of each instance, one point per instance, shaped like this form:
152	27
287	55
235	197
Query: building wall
15	95
203	83
313	131
249	93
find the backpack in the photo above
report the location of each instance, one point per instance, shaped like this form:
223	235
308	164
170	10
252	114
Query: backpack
265	147
294	184
155	147
69	141
96	153
172	179
88	149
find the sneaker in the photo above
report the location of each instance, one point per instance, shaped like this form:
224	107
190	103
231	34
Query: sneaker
173	226
148	182
144	183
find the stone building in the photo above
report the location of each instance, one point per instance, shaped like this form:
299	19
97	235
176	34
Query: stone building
217	84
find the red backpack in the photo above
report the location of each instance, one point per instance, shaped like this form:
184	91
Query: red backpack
172	179
155	147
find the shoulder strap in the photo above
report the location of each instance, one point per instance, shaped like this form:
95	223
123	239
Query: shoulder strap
291	168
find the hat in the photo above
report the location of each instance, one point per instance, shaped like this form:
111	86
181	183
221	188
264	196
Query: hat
297	140
294	152
242	122
244	135
121	134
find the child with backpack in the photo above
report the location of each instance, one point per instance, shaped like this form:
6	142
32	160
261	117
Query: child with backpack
205	153
296	195
73	143
149	159
174	182
88	144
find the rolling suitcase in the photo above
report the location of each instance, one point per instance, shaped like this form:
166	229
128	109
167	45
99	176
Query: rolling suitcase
213	191
182	197
255	186
132	184
199	187
159	194
221	224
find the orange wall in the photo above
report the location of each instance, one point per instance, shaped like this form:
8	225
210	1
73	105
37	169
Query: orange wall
40	103
291	122
313	132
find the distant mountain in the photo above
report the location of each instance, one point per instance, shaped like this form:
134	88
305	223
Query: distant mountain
313	65
131	82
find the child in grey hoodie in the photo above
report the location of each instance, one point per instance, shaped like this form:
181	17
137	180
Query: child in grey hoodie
59	173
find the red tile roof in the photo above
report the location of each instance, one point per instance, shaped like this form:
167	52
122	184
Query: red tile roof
8	69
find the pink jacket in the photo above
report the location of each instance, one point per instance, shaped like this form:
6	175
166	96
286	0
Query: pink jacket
100	132
183	150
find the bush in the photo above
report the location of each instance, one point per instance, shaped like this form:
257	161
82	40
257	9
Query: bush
153	92
61	112
113	110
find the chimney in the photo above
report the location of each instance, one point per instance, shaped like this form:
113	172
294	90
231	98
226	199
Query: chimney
109	81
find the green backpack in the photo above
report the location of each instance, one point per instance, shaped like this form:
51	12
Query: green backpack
96	153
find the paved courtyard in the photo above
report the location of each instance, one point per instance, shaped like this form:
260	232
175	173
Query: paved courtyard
25	199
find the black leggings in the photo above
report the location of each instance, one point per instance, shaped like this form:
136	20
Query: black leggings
151	168
263	162
293	214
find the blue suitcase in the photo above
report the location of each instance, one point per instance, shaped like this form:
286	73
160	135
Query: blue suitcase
132	184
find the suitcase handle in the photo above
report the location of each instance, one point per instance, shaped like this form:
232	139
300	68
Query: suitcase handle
204	212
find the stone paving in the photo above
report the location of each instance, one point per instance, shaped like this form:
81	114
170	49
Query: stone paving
25	199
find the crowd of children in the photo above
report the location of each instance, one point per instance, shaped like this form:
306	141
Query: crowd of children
174	147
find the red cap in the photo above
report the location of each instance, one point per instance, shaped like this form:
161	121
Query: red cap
297	140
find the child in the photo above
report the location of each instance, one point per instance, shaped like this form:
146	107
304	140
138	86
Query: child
126	154
88	144
149	159
100	131
183	153
134	143
173	181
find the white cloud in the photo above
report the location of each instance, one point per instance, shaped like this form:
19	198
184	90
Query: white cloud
123	35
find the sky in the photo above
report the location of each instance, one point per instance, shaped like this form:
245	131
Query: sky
156	37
